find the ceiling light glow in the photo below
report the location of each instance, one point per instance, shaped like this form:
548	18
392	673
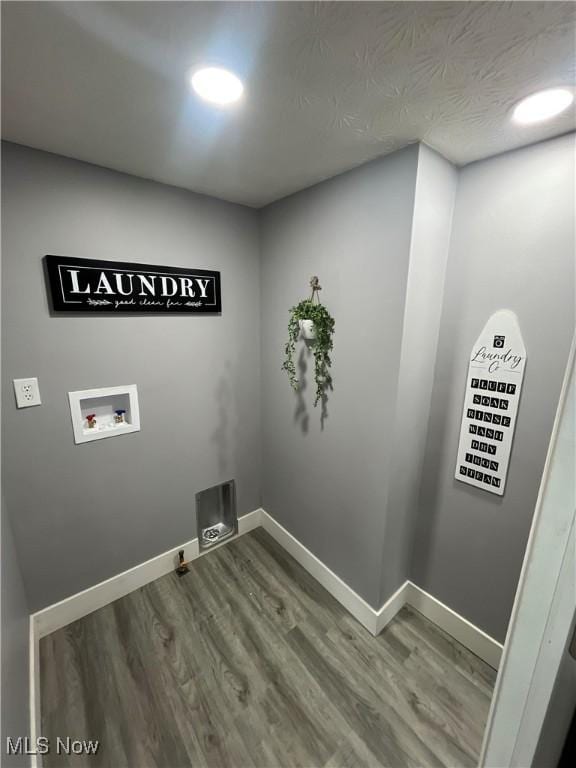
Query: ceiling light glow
217	85
542	105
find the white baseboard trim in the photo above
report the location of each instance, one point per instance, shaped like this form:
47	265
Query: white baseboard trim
391	607
76	606
70	609
471	637
345	595
451	622
250	521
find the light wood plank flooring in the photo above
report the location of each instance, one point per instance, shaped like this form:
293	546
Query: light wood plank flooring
248	661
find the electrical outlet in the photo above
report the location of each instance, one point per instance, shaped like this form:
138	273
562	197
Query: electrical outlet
27	392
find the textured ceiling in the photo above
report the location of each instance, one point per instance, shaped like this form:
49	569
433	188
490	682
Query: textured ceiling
328	85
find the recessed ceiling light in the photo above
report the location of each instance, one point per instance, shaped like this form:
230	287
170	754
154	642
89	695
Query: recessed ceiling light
543	105
217	85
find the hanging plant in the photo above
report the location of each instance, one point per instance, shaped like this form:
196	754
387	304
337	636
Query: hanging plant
313	320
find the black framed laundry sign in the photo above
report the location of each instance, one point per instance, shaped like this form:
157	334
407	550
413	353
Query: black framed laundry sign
89	285
493	386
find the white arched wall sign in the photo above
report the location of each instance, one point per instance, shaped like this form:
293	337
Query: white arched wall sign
495	374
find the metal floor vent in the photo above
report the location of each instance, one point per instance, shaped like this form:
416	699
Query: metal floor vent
216	533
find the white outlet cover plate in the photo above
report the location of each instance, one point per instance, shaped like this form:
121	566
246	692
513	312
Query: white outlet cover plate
27	392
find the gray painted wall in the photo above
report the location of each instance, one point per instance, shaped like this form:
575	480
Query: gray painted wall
512	247
436	183
377	237
325	480
15	634
84	513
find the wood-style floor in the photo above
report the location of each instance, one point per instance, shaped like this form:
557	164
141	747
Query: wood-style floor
248	661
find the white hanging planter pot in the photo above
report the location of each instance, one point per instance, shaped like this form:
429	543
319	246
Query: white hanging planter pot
307	329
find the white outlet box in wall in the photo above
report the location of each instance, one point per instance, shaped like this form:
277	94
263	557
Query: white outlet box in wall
102	404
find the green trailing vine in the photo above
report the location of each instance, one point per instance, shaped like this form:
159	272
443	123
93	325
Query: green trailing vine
321	346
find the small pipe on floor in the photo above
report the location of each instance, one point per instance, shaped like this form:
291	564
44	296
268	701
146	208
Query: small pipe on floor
182	567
